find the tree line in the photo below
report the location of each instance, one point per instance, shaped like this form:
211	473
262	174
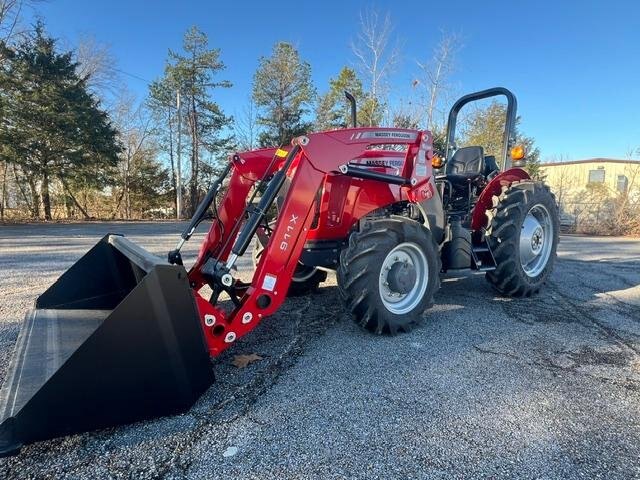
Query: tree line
74	143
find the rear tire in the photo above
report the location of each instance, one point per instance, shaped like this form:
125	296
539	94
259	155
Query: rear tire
388	274
523	235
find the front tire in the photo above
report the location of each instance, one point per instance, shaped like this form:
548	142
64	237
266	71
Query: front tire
523	234
305	279
389	273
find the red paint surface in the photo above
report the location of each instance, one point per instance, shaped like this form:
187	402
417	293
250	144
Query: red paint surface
494	187
344	201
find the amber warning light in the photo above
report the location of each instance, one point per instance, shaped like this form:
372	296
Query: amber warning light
517	152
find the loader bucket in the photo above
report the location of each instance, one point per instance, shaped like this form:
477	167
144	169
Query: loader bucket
115	339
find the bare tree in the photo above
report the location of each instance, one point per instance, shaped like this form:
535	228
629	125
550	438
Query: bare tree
134	126
3	195
12	25
10	11
246	127
10	17
563	182
435	77
98	65
626	211
376	59
406	113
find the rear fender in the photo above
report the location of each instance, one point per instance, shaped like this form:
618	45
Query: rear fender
494	187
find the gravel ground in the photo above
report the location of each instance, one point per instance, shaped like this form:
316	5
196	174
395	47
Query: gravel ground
547	387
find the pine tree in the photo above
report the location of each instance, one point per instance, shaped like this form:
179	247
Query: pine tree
51	126
485	127
142	182
148	182
162	105
193	72
332	110
283	92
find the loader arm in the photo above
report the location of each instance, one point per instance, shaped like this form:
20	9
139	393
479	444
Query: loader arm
307	164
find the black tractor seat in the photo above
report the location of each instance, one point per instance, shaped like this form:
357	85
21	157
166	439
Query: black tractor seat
466	165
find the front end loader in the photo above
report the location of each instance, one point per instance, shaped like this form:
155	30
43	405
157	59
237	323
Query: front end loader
124	335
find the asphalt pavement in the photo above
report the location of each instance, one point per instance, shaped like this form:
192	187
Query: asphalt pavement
547	387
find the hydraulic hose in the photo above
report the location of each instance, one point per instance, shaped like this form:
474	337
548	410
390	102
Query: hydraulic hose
205	204
174	256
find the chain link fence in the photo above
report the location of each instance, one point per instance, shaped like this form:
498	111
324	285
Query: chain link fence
610	216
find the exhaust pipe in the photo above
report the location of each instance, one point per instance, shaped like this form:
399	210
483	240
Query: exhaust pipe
352	102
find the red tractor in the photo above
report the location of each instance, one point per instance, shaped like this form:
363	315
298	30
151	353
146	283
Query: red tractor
125	335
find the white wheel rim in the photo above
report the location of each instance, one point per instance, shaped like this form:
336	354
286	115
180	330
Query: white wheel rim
411	255
536	240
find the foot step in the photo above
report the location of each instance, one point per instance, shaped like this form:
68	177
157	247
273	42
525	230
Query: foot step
483	258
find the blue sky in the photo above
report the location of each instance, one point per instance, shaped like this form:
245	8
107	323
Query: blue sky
574	65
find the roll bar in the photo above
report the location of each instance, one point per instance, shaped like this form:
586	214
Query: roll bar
509	137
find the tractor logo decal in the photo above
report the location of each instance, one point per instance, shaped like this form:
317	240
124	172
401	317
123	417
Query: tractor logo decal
391	162
385	134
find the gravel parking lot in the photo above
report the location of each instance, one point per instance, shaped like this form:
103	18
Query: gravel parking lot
547	387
